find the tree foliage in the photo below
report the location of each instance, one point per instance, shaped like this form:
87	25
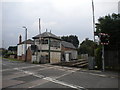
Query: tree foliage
72	39
87	47
98	57
110	24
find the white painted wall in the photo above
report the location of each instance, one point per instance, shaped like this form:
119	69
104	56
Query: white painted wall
55	57
67	57
73	54
21	49
44	47
54	48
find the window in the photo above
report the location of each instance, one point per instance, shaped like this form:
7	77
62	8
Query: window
44	41
55	43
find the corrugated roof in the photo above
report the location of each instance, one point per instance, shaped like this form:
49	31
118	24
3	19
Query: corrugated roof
68	45
46	35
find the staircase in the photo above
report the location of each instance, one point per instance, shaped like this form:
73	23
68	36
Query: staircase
76	63
80	63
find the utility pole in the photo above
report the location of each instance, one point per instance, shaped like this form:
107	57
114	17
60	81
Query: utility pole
39	41
93	31
93	20
25	43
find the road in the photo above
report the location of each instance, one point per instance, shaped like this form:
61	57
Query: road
16	74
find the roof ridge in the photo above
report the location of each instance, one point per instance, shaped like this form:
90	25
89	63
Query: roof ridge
46	34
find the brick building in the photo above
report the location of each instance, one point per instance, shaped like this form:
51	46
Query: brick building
69	51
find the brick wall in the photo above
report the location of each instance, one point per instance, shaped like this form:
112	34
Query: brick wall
29	55
66	49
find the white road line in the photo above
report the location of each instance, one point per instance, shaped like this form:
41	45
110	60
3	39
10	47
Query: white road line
7	70
63	83
29	67
60	68
4	64
64	75
50	79
18	68
101	75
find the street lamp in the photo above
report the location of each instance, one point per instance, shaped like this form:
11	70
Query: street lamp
25	43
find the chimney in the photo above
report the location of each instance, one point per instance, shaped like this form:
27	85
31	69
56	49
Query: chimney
46	29
20	39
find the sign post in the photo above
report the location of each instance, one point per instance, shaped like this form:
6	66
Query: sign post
104	39
103	61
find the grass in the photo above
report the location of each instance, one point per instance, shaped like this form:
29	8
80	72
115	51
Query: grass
12	59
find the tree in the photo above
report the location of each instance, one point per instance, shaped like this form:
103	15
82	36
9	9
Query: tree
110	24
72	39
87	47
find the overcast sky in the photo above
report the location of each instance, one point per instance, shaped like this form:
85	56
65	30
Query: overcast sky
62	17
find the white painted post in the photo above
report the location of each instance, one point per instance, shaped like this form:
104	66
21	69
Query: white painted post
103	62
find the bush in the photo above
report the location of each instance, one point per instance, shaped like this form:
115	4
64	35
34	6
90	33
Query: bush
98	57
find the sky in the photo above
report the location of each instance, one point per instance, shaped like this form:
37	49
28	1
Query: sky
62	17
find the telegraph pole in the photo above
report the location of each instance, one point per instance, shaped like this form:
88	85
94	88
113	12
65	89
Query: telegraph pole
93	31
93	20
39	41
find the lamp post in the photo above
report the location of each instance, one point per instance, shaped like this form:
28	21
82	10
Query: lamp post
25	43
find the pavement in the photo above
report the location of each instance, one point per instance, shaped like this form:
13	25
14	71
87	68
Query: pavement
16	74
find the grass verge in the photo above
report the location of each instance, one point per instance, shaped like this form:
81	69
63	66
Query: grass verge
12	59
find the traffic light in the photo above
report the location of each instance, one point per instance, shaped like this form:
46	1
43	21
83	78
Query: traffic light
104	38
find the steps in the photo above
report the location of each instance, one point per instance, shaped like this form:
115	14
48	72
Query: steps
75	63
80	63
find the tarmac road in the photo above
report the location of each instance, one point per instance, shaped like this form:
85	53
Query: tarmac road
16	74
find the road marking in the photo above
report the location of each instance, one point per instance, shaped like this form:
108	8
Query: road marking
98	74
7	70
50	79
64	74
63	83
29	66
4	64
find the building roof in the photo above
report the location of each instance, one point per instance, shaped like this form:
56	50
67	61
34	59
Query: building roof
29	41
68	45
2	49
47	35
12	48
